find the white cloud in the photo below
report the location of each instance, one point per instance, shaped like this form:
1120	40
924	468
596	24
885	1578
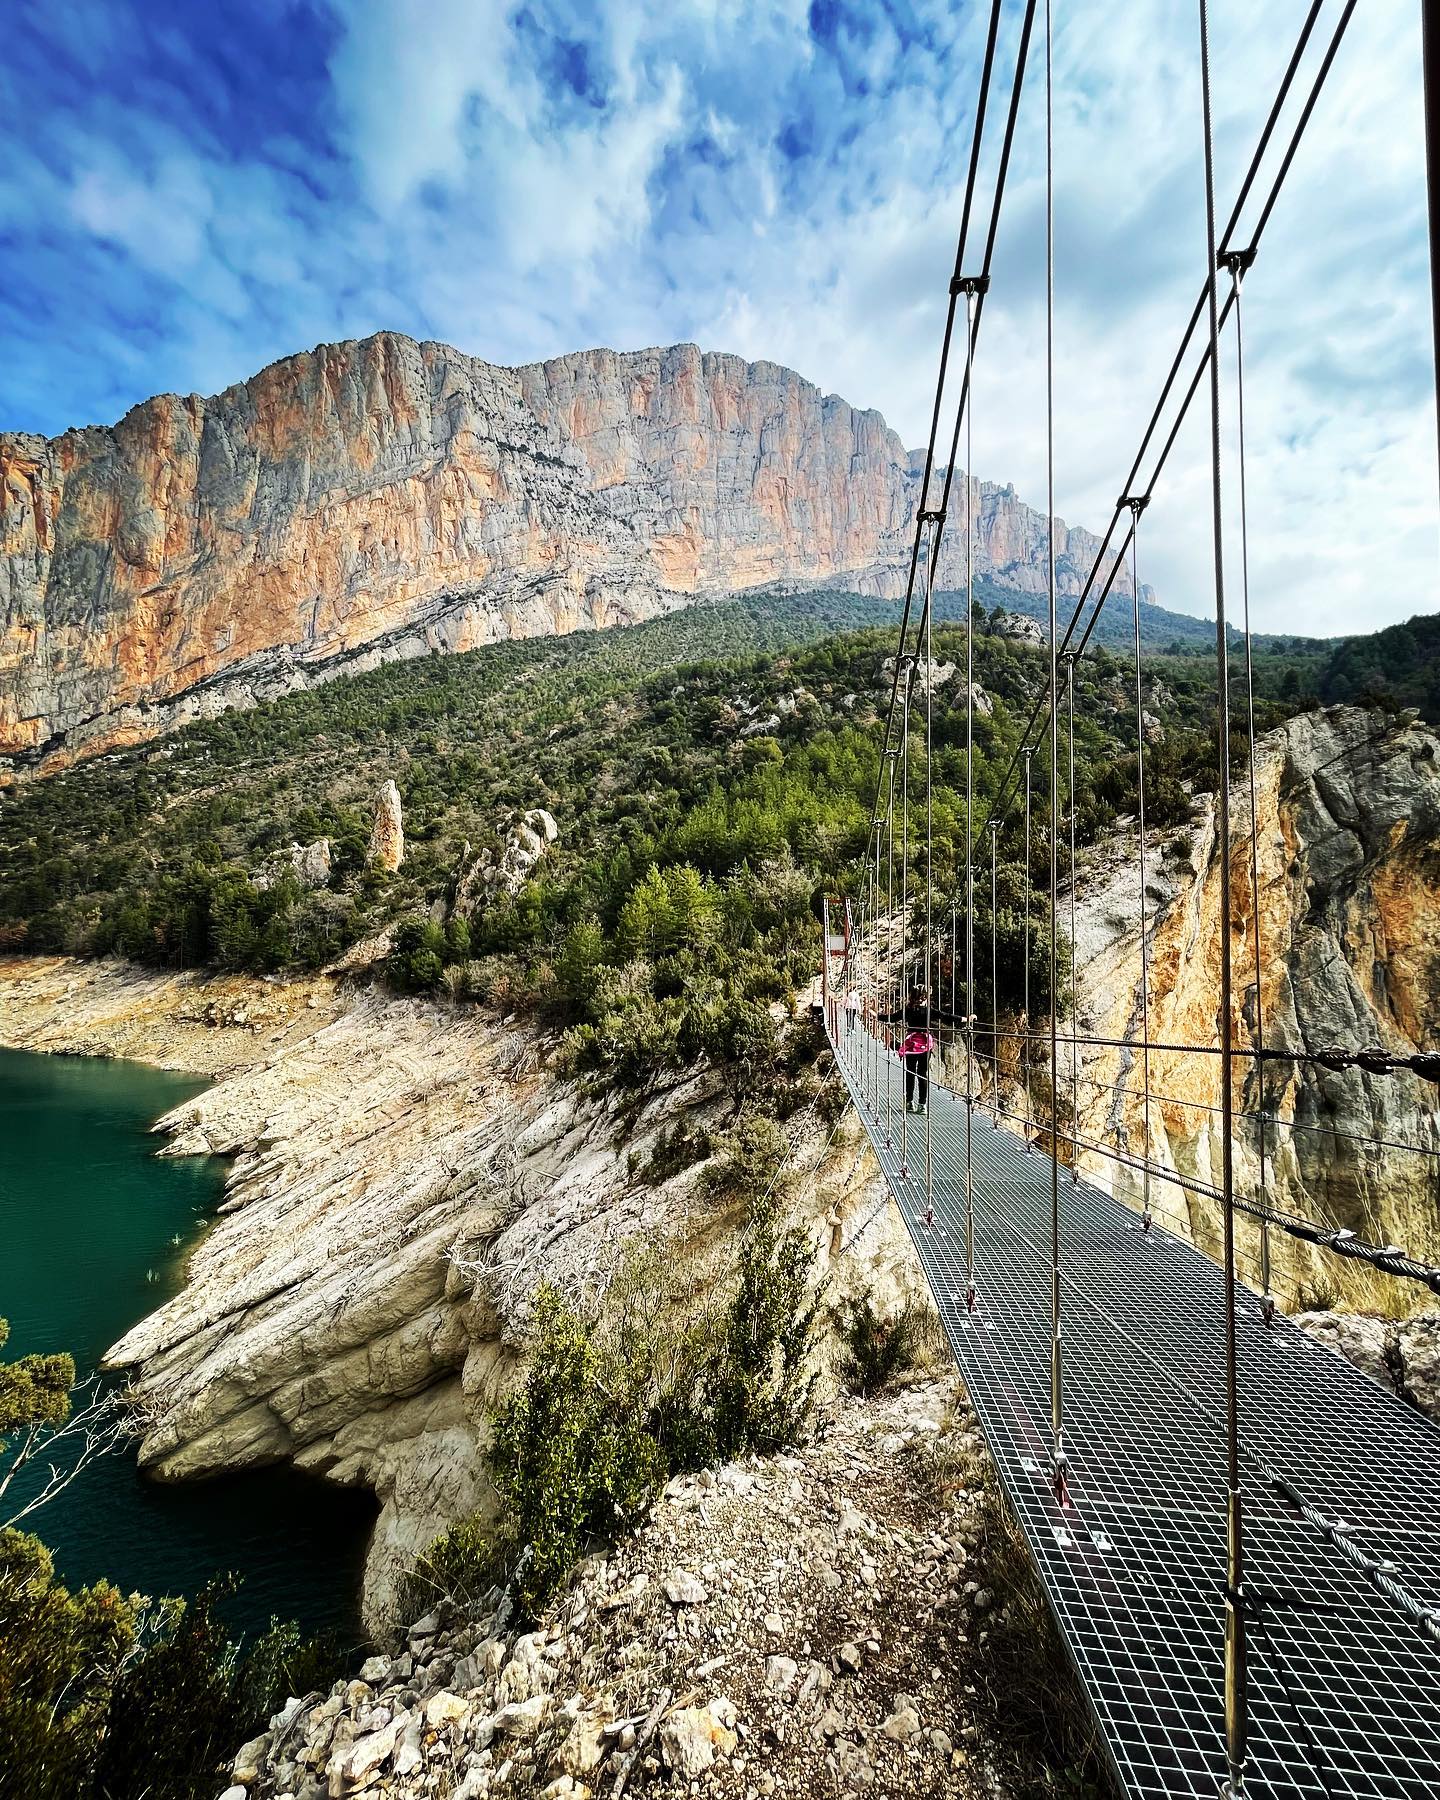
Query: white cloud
527	182
160	219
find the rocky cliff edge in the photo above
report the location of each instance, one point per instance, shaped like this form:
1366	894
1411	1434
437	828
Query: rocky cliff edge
383	498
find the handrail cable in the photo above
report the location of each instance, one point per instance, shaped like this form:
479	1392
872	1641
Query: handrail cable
1389	1259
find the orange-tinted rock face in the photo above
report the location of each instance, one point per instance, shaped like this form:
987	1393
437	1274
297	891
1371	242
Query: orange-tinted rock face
386	498
1348	814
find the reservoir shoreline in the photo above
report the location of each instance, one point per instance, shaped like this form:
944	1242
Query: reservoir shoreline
98	1231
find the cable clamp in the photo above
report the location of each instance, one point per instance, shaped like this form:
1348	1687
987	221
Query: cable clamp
937	517
1237	262
969	284
1136	503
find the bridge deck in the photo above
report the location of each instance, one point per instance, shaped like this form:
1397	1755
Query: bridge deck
1344	1685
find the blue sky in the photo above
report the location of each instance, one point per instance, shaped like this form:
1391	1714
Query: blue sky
188	191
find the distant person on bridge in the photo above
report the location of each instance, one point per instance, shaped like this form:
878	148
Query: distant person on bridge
852	1010
918	1017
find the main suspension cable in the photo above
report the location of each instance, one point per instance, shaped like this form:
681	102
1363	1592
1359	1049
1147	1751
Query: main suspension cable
1104	558
956	288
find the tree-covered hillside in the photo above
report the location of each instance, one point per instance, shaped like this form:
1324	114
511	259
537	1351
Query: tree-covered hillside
1396	667
707	773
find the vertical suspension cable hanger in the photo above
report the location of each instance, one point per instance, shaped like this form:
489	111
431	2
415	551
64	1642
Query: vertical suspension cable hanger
954	912
1238	262
930	572
891	752
1027	752
1059	1466
1137	504
909	679
1236	1696
1074	954
972	289
995	973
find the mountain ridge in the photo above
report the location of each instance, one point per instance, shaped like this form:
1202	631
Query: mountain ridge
384	498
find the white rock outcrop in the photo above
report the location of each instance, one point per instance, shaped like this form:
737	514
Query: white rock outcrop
404	1176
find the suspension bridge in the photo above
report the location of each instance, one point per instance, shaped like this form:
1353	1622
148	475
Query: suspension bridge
1236	1530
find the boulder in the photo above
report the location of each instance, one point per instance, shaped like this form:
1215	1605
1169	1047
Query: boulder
685	1589
522	1718
1018	627
693	1736
310	864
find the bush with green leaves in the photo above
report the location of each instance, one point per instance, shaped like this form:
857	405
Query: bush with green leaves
878	1347
105	1696
621	1393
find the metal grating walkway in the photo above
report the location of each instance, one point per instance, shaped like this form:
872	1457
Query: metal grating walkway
1344	1686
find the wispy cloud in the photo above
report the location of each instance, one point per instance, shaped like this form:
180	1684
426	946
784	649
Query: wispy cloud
186	195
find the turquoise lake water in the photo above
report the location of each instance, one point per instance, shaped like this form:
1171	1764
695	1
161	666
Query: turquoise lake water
89	1219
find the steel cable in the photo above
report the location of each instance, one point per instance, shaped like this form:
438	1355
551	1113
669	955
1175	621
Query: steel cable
1137	506
1167	388
1057	1417
1236	1698
1237	270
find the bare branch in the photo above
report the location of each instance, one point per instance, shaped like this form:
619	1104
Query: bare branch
103	1420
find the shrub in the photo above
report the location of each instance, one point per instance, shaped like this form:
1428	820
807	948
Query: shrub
104	1697
1320	1295
877	1348
750	1162
620	1395
680	1148
761	1392
463	1564
62	1655
571	1458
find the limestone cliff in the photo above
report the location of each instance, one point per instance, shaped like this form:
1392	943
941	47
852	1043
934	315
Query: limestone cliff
403	1177
1349	868
381	499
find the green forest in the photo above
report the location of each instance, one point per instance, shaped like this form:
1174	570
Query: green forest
708	772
